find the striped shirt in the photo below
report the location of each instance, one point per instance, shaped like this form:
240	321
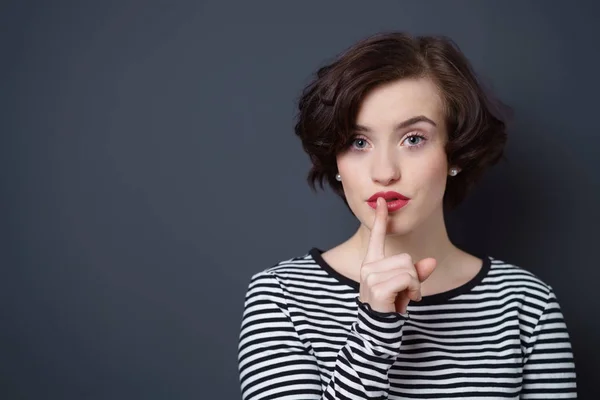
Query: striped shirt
305	335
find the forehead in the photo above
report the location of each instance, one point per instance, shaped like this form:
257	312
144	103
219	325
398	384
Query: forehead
400	100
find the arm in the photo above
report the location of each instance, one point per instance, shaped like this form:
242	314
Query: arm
274	363
549	369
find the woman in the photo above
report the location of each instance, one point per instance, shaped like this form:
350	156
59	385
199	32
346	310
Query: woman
398	311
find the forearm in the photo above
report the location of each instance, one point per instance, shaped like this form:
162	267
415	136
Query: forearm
363	363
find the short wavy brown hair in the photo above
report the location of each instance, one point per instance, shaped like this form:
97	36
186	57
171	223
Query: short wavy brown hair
329	105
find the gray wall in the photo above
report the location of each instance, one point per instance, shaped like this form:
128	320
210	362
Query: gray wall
149	168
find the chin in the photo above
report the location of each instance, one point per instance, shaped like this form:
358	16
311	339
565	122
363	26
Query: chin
400	226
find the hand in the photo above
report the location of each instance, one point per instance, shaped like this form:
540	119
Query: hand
388	284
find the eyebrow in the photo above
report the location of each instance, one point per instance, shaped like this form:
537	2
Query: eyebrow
401	125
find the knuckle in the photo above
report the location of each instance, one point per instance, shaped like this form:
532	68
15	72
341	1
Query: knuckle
405	261
405	256
365	272
378	294
413	274
407	279
416	284
368	278
404	277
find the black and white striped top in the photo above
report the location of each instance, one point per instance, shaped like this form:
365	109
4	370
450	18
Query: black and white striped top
305	335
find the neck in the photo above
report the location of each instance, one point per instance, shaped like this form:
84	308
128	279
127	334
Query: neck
429	239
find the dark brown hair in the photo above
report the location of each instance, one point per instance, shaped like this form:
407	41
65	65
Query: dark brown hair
329	105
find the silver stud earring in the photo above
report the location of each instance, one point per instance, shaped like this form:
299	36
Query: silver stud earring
453	171
338	177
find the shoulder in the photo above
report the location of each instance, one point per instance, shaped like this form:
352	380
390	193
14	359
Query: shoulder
278	284
284	270
303	265
510	277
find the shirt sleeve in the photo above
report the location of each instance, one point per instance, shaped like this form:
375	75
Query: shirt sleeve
274	363
549	368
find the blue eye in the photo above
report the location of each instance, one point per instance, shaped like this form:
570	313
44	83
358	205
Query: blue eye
415	137
420	141
357	140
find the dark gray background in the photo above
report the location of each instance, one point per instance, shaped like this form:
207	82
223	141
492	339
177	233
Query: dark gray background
149	168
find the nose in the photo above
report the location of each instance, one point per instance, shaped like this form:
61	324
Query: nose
385	168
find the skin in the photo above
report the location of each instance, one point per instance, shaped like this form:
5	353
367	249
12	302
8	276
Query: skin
382	158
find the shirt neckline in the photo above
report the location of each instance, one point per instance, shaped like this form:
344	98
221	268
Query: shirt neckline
437	298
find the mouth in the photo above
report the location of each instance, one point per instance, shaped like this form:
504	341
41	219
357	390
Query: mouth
394	200
392	205
387	196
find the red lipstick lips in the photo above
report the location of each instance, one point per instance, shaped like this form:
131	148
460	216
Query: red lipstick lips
395	200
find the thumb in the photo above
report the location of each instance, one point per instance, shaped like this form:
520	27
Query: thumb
425	267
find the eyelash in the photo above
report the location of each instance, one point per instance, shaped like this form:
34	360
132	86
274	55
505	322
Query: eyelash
416	146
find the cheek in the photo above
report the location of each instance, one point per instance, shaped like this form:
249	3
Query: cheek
344	163
432	174
350	172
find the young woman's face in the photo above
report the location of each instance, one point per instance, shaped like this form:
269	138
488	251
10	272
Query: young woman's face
387	155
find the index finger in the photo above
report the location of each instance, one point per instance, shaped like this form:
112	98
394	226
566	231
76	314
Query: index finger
375	250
